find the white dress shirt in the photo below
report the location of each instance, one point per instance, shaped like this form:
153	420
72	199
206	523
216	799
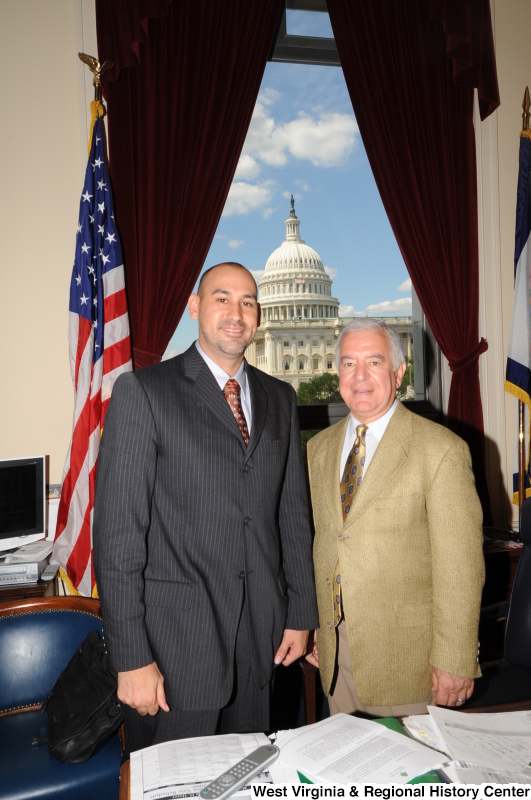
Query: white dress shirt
375	431
222	377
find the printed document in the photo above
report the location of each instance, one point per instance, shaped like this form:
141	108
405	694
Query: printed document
181	768
345	749
499	741
461	772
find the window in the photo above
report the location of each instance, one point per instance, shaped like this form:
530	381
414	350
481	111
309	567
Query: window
301	365
315	343
324	207
286	366
315	361
286	344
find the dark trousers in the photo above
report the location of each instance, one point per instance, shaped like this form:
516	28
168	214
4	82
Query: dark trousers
246	712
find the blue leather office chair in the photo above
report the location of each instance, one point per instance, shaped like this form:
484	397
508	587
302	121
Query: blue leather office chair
38	637
510	682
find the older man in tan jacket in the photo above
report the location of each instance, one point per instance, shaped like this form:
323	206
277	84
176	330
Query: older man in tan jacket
398	543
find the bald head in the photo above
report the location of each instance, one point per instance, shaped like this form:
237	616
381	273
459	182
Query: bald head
208	274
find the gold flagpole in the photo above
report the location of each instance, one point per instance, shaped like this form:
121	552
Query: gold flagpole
521	407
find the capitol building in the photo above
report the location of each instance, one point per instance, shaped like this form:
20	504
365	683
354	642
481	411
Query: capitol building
300	316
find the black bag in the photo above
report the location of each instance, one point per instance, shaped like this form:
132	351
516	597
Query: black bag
82	707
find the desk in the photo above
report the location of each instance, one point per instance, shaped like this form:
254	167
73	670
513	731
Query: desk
125	789
20	592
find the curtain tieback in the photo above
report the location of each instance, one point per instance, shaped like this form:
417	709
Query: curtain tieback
460	364
143	358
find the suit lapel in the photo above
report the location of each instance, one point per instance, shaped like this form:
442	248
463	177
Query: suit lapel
389	457
329	464
208	391
259	407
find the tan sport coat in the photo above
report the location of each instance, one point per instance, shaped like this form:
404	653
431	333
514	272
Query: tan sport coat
411	559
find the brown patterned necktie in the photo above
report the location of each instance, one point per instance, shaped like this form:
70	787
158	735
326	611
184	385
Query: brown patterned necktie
231	390
350	483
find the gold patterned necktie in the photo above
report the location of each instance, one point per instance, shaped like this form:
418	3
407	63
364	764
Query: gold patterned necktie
231	390
350	483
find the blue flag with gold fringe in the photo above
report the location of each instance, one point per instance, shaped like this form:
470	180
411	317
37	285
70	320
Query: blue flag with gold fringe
518	373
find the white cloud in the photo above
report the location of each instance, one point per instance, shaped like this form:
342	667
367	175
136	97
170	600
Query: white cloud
245	197
405	286
304	186
326	142
268	96
350	311
402	306
266	213
257	274
332	273
235	243
170	354
326	139
247	168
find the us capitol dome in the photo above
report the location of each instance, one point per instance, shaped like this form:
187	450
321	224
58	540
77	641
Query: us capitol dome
300	317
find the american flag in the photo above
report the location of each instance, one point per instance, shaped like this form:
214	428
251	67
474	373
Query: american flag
300	280
100	350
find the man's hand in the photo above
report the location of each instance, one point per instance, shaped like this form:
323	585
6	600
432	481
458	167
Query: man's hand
312	653
451	690
143	689
292	647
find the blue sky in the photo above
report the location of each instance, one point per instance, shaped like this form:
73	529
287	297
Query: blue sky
303	140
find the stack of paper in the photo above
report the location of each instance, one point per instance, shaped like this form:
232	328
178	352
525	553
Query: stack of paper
181	768
345	749
486	748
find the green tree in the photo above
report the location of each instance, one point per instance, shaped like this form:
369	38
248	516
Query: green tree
322	389
408	379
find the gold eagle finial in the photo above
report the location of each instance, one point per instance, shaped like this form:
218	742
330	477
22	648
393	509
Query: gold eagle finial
96	68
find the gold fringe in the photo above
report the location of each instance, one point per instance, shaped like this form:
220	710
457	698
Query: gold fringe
525	133
516	391
96	110
72	589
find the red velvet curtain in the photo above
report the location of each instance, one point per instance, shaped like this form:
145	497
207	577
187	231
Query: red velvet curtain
176	124
410	80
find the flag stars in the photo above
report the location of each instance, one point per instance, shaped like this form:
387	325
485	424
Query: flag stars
83	299
101	207
111	237
91	219
78	280
90	269
86	197
79	228
105	259
95	301
102	185
85	247
101	229
97	163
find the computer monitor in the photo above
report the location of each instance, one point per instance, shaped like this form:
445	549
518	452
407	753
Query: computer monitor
22	501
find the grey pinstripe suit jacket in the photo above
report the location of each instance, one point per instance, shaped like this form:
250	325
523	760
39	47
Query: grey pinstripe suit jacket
183	510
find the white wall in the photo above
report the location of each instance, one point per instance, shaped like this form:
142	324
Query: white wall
41	184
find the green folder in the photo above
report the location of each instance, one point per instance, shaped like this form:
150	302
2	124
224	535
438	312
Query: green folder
394	725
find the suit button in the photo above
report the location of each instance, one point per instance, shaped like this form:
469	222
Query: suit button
328	581
246	468
341	537
241	574
247	520
328	624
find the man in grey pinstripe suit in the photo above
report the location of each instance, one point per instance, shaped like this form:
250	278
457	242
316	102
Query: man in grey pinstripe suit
202	543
